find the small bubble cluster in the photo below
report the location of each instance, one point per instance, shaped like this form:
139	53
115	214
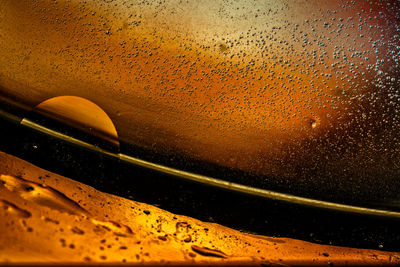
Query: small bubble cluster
304	90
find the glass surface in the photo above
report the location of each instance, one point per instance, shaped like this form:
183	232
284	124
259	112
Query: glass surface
300	97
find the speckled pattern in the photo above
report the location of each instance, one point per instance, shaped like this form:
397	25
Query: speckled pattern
47	217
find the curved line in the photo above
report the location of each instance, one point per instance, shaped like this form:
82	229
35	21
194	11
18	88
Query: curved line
213	181
9	116
68	109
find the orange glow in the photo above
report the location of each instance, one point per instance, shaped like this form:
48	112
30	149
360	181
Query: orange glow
80	113
231	91
47	218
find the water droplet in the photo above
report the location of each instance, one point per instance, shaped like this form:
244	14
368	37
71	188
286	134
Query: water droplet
146	212
162	237
117	228
77	231
11	208
42	195
204	251
313	124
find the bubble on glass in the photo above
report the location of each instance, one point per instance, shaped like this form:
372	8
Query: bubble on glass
299	91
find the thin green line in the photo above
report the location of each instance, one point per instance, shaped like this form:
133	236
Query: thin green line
10	116
213	181
256	191
66	138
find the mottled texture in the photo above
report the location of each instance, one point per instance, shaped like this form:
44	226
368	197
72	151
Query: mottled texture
47	217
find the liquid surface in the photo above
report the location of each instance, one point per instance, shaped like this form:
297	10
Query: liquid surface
117	230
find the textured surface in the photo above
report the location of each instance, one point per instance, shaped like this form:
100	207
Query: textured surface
299	90
50	218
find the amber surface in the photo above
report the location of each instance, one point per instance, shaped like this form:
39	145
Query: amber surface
82	114
276	88
47	218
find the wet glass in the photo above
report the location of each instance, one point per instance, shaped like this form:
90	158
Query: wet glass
298	97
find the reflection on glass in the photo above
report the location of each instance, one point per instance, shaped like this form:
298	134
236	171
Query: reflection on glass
298	93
